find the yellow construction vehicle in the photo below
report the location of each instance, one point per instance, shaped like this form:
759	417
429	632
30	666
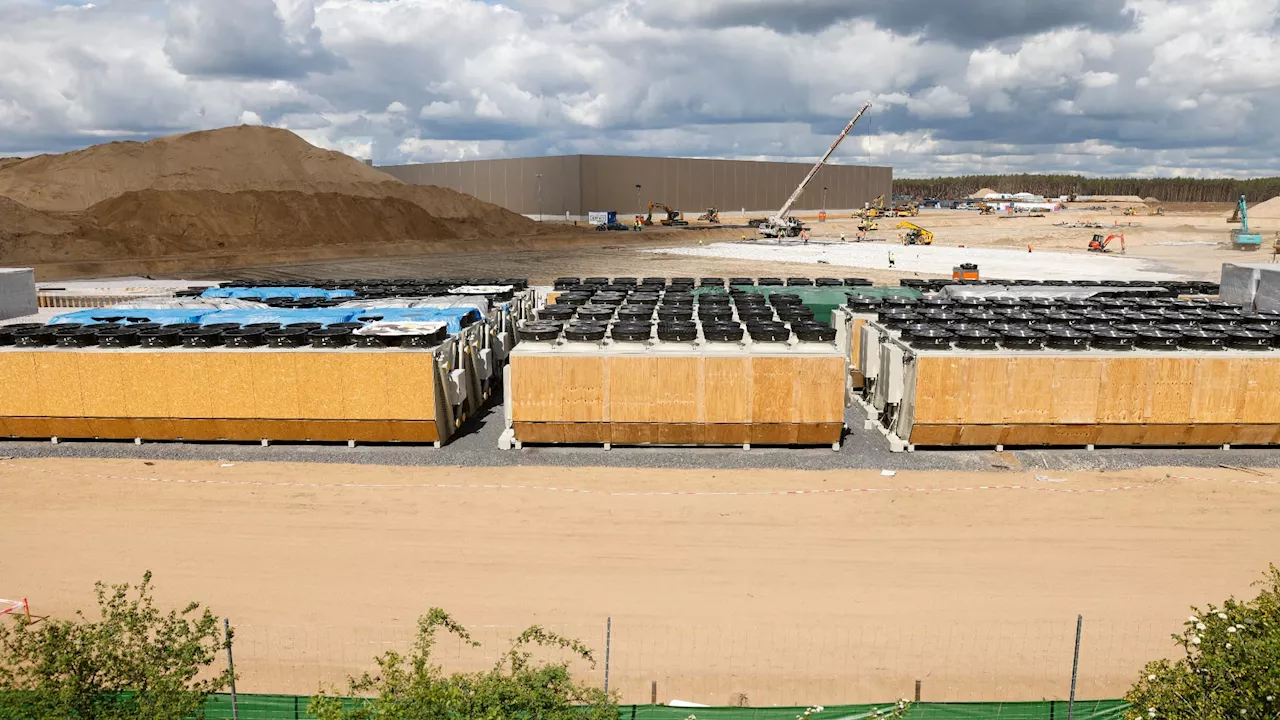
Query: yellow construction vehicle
868	225
916	235
673	218
1158	211
712	215
873	209
907	210
985	209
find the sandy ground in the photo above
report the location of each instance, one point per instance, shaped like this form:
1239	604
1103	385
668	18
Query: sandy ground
717	583
1187	242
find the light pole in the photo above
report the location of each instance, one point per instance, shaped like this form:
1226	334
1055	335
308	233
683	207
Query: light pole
539	176
824	202
639	204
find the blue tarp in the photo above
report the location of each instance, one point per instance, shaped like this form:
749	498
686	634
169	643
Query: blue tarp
452	317
266	292
159	315
284	316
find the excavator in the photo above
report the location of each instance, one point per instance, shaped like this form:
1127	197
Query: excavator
985	209
1102	244
781	224
673	218
873	209
916	235
712	215
868	225
907	210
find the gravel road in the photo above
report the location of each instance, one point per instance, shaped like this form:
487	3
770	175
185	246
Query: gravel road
477	446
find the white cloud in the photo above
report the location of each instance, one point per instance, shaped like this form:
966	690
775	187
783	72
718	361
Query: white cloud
1181	84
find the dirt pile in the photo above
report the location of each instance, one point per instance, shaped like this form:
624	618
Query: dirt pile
1269	210
235	190
229	160
17	220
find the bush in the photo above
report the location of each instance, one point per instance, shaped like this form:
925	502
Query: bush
132	662
412	688
1231	668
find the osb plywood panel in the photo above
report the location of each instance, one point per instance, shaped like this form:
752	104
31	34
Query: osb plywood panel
1054	390
234	430
1219	391
1076	385
1030	397
1127	384
984	396
726	387
217	385
855	342
938	389
773	390
680	434
678	391
1205	435
634	390
820	390
20	397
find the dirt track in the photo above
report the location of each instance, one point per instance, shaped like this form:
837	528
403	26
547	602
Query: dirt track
743	588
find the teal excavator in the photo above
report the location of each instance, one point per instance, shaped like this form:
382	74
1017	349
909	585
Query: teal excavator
1242	239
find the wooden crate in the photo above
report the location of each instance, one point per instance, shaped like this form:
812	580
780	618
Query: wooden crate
687	399
348	394
1095	398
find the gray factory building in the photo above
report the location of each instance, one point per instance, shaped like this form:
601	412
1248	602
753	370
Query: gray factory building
575	185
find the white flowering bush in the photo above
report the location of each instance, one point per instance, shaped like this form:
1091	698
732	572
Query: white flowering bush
1231	667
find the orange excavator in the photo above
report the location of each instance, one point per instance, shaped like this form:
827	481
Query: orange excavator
1103	244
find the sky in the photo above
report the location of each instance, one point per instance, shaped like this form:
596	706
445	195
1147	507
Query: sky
1097	87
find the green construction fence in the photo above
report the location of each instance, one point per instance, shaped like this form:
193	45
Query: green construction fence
294	707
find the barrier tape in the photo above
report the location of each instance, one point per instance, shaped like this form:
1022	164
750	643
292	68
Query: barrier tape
650	493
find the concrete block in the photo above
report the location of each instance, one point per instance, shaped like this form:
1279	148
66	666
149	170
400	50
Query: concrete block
17	293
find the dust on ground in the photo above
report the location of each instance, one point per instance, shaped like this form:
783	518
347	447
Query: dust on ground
717	582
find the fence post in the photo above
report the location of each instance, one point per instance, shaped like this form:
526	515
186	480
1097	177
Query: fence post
1075	670
231	665
608	643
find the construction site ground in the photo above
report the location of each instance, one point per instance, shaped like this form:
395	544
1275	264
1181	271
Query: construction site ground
784	587
1190	242
769	576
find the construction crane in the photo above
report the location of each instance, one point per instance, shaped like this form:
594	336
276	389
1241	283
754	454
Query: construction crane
673	218
1242	239
783	225
916	235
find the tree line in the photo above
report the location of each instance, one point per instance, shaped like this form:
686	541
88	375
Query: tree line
1168	190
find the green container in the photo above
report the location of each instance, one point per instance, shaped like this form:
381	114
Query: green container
822	300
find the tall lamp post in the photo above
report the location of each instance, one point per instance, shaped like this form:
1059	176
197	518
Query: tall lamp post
824	203
539	177
639	203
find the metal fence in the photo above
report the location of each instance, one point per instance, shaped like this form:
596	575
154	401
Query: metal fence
783	663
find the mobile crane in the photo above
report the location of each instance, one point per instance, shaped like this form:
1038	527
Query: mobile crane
782	224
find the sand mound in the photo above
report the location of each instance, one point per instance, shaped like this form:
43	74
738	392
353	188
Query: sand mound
1269	210
17	219
230	160
231	191
981	194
